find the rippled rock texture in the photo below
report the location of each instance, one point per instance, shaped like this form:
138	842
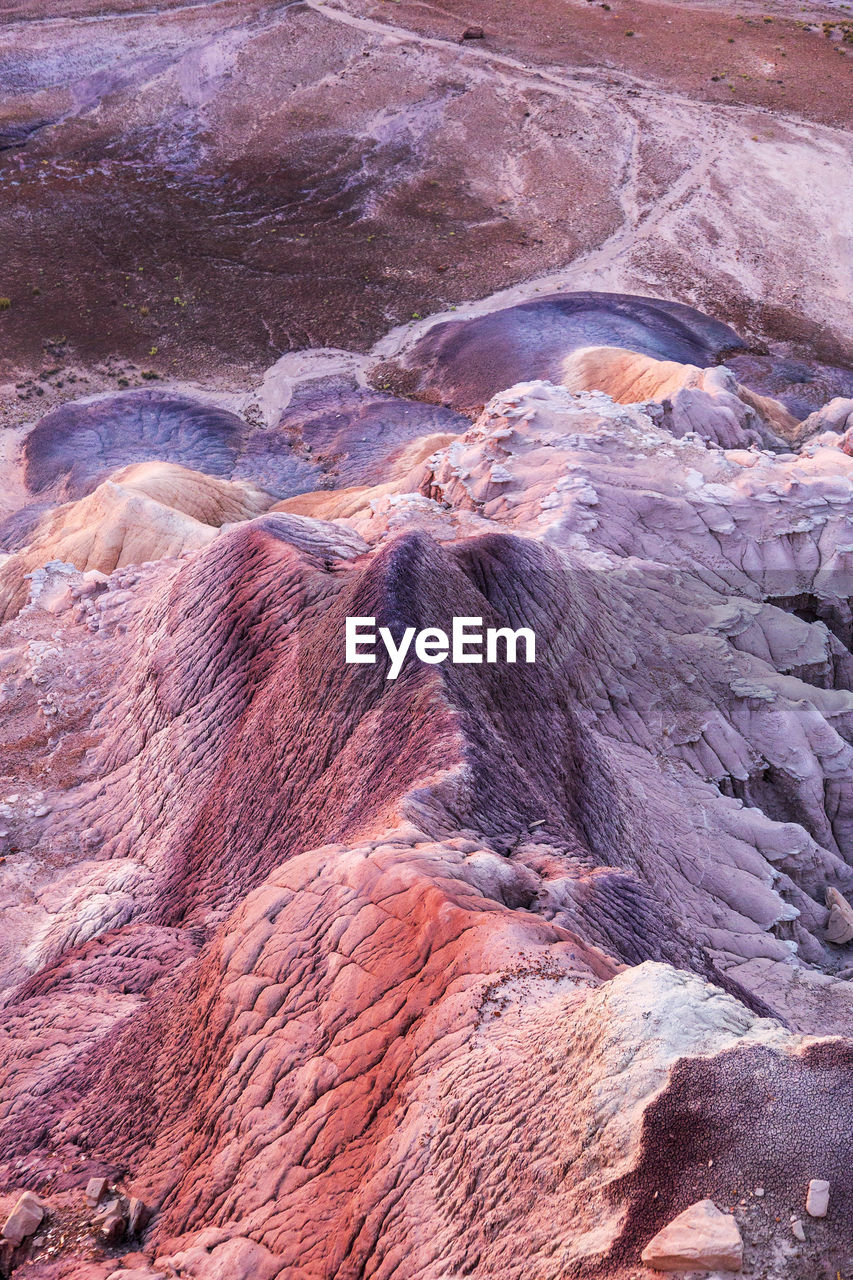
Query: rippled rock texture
511	971
478	970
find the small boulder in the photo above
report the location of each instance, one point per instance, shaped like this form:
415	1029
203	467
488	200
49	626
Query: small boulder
835	416
137	1215
95	1188
699	1239
817	1199
137	1273
103	1211
839	926
90	583
113	1227
798	1230
23	1220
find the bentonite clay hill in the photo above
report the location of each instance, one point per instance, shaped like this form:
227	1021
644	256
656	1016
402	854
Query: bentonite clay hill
498	970
512	971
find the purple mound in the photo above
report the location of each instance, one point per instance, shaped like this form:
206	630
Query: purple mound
465	362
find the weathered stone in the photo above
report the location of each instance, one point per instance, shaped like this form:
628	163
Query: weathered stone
839	927
137	1273
23	1220
699	1238
798	1229
95	1188
103	1212
817	1199
137	1215
114	1226
837	415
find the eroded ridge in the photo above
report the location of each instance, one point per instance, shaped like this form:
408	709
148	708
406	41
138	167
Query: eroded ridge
484	970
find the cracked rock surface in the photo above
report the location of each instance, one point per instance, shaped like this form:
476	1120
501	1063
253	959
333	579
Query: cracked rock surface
476	970
516	971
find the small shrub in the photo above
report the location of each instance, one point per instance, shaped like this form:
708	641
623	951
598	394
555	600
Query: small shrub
5	304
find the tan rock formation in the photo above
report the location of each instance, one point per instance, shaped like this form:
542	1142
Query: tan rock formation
839	928
24	1219
710	401
145	512
701	1238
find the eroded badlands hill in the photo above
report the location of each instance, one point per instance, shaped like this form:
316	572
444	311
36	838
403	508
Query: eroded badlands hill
317	310
485	970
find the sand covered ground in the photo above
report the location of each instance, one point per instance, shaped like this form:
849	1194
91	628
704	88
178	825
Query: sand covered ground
178	177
